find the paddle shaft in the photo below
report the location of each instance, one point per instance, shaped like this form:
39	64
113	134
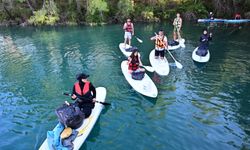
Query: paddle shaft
79	97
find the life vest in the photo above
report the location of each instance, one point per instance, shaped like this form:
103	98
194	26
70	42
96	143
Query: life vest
129	27
134	64
177	22
84	90
159	43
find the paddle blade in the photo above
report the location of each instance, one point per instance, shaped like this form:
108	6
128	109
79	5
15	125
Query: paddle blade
178	65
139	40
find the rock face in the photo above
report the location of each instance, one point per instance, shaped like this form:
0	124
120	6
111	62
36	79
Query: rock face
247	15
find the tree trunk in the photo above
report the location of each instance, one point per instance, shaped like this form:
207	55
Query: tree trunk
30	6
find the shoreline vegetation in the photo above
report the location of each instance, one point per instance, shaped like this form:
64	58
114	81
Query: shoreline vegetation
100	12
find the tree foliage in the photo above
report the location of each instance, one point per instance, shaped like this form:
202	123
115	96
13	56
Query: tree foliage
49	12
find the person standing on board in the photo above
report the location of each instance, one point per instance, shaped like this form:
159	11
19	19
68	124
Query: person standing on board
177	27
128	27
85	93
161	43
204	42
211	15
134	62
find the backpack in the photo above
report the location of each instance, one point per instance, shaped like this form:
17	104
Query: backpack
173	43
70	115
131	49
138	75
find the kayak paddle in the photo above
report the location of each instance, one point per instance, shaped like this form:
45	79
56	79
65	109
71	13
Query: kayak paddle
103	103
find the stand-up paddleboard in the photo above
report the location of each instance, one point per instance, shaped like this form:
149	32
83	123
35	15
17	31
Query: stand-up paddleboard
201	59
211	20
160	66
145	86
123	49
88	123
237	20
181	44
224	20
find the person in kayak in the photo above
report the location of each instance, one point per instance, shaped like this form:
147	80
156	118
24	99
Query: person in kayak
128	27
134	62
161	43
204	42
177	23
85	93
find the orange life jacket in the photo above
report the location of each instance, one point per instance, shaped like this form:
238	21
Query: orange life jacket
159	43
129	27
84	90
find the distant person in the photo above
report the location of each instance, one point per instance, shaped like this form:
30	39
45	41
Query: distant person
161	43
128	27
204	43
211	15
85	93
237	16
134	62
177	23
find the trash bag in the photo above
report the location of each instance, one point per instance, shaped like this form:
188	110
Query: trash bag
173	43
138	75
70	115
201	52
131	49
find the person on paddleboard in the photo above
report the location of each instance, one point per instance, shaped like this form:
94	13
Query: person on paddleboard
128	27
211	15
134	62
85	93
161	43
177	23
204	43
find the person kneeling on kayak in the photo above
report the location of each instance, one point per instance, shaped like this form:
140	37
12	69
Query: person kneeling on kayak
134	63
85	94
204	42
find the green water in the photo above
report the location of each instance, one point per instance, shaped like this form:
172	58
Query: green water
199	107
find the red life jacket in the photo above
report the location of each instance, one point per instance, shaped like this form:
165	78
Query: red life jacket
129	27
134	64
84	90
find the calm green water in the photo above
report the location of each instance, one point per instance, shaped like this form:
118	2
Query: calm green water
200	107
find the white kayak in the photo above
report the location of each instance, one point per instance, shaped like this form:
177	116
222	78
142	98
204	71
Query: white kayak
160	66
88	123
123	49
181	44
201	59
145	86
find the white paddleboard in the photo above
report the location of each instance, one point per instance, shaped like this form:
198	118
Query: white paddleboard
122	48
160	66
201	59
88	123
181	44
145	86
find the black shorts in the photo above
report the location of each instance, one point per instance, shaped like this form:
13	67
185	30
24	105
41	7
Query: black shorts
161	53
